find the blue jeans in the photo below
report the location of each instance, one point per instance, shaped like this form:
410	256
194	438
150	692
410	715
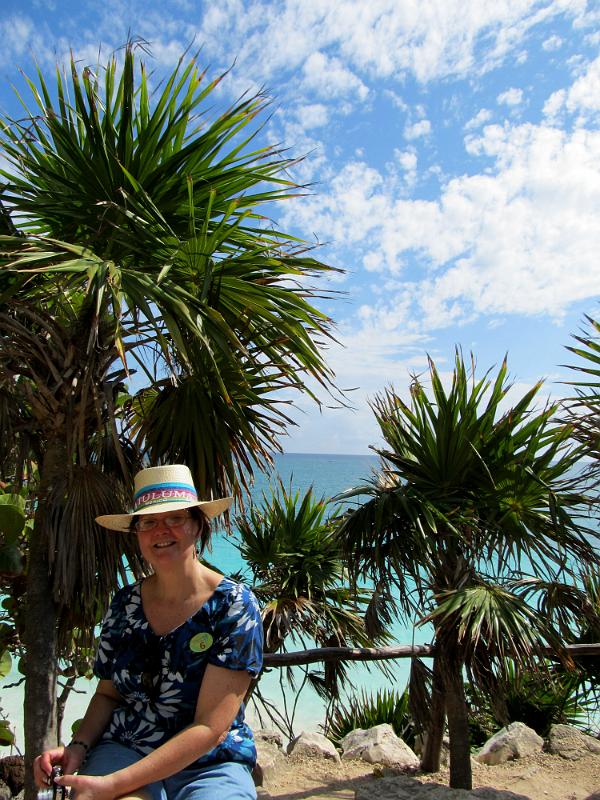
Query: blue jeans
228	780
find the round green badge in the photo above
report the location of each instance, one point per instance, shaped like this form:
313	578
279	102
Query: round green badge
200	642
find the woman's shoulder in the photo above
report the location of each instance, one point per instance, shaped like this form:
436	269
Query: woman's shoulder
238	627
126	600
231	596
230	588
125	593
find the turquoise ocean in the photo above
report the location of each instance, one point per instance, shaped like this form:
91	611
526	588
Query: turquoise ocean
328	475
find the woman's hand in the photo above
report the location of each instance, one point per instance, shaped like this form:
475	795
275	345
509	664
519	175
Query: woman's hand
89	787
69	758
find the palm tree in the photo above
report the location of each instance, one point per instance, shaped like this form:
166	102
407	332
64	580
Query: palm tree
583	413
147	310
289	544
475	519
584	408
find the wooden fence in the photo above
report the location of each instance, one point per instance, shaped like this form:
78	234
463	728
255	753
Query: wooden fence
382	653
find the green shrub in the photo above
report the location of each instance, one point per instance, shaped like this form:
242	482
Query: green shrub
539	700
542	700
367	710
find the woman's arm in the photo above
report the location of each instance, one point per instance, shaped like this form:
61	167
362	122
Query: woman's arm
221	694
99	711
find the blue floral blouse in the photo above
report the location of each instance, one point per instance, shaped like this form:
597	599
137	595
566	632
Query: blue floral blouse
159	677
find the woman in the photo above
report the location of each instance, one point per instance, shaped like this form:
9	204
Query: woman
177	653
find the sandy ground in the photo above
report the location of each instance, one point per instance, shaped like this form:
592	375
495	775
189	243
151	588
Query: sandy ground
539	777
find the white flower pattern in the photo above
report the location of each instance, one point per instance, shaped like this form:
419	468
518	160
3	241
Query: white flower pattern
129	651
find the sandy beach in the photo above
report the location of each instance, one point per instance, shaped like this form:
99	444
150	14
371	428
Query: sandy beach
538	777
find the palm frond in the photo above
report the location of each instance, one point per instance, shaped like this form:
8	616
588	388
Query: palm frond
136	243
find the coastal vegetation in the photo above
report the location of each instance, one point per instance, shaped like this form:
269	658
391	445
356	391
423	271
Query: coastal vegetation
148	310
477	522
368	710
296	563
549	696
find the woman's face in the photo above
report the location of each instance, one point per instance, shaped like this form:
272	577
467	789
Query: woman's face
167	537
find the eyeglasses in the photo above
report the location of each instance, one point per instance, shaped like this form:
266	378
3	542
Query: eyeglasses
172	521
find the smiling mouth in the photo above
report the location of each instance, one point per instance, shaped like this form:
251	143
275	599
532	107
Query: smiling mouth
162	545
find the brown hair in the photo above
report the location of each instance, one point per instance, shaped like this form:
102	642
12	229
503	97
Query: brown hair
203	526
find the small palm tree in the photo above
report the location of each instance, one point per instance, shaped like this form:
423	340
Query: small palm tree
368	710
299	577
584	409
135	243
475	519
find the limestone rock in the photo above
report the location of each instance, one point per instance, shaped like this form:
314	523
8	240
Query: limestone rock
419	747
314	744
514	741
269	760
379	745
571	743
267	735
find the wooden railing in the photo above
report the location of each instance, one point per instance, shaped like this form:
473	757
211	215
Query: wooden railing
382	653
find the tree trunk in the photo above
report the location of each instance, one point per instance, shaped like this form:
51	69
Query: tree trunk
458	725
432	749
40	660
39	708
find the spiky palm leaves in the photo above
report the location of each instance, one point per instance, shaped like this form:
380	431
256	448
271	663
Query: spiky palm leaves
131	225
584	409
299	577
470	500
139	215
366	710
61	392
165	201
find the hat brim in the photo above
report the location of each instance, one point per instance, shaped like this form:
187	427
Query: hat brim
122	522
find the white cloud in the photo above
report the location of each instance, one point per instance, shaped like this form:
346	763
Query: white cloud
328	77
511	97
396	99
355	41
417	130
349	212
407	160
20	35
482	116
593	39
554	103
375	40
437	40
581	98
522	238
17	32
552	43
166	52
313	115
370	356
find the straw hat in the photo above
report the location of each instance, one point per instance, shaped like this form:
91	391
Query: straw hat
160	489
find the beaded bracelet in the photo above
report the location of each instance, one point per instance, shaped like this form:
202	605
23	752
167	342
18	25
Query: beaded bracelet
85	746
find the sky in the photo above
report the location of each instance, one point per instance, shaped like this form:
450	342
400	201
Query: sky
453	153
